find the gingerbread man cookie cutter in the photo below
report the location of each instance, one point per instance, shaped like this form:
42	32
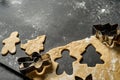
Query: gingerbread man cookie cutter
9	43
35	66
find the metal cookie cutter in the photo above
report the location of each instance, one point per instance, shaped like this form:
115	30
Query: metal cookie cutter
36	66
107	34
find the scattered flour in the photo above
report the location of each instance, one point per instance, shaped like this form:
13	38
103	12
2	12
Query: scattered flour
11	60
64	38
80	5
69	14
15	2
104	10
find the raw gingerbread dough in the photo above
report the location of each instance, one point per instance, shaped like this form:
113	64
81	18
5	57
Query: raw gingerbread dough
110	70
9	43
35	45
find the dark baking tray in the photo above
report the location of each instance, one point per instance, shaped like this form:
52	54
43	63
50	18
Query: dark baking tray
62	21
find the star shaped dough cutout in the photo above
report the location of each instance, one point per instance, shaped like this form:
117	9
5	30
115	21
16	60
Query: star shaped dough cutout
34	45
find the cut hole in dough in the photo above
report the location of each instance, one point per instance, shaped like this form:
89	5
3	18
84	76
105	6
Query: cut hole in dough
65	63
91	57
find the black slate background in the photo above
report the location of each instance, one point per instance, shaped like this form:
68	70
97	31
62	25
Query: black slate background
62	21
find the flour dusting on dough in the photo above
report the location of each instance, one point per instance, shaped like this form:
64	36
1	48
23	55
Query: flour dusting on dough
113	61
87	40
110	75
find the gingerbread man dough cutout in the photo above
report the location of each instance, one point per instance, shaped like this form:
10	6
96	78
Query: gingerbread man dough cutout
35	45
9	43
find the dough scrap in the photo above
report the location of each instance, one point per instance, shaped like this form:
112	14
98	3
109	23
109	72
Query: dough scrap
35	45
9	43
110	70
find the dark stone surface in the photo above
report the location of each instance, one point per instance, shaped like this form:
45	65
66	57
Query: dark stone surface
62	21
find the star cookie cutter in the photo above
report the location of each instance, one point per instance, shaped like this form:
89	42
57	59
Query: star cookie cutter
38	65
107	34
